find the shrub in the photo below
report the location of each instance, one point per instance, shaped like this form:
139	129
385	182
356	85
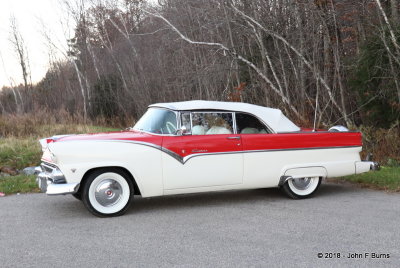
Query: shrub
384	144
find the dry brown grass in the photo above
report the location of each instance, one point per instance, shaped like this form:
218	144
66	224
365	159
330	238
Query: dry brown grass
383	143
19	134
45	123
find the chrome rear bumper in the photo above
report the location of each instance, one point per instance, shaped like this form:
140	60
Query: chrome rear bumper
52	182
365	166
375	166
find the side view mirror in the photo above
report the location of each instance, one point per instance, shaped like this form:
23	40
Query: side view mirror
182	131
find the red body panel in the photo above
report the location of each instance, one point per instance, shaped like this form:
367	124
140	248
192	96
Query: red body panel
300	140
118	135
198	144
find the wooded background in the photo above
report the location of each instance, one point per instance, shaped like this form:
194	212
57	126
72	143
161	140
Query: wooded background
340	58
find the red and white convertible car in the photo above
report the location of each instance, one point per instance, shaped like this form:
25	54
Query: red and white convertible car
197	146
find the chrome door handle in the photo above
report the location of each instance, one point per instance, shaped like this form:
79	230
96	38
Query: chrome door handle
234	138
199	151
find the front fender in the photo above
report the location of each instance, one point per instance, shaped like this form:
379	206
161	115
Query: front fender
75	158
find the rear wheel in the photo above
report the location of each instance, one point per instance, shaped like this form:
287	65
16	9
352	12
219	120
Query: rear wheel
300	188
108	192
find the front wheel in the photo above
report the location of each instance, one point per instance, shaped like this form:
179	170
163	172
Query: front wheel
300	188
107	192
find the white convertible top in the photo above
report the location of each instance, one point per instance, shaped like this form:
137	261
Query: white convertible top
274	118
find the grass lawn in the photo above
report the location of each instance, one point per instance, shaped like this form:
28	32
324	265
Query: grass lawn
18	184
388	179
20	152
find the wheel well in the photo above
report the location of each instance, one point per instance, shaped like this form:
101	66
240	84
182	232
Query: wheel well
90	171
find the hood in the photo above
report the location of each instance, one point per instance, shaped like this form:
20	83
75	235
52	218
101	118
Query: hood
115	135
132	135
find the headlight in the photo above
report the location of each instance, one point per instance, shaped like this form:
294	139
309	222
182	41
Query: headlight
53	157
49	156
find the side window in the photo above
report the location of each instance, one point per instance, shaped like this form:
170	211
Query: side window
248	124
168	125
211	123
185	119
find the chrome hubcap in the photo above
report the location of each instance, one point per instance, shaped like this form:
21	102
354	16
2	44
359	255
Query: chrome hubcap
108	192
301	183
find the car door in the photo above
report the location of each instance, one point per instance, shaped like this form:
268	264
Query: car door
209	154
261	167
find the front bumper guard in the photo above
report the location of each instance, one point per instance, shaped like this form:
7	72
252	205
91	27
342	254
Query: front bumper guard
54	183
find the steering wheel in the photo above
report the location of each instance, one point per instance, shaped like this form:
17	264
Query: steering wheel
170	127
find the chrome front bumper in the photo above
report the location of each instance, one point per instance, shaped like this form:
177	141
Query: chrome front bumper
52	181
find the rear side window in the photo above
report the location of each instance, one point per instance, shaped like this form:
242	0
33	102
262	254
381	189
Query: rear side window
248	124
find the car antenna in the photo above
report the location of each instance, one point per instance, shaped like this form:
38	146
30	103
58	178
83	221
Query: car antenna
316	109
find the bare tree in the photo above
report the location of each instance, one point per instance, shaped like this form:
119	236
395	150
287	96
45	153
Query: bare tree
225	49
299	56
18	43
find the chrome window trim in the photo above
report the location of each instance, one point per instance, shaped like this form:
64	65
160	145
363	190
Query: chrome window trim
180	122
191	122
235	130
317	131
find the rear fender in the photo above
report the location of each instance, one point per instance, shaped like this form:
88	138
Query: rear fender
302	172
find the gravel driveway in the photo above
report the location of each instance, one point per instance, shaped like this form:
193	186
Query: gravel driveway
226	229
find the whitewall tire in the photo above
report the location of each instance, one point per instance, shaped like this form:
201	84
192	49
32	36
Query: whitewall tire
300	188
108	192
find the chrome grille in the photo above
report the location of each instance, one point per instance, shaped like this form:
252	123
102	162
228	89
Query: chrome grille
48	168
52	172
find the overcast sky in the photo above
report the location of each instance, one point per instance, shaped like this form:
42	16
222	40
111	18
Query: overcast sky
32	16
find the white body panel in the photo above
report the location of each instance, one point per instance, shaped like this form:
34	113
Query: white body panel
143	162
201	171
264	169
157	173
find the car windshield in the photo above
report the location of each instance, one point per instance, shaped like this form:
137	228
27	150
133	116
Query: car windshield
158	121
